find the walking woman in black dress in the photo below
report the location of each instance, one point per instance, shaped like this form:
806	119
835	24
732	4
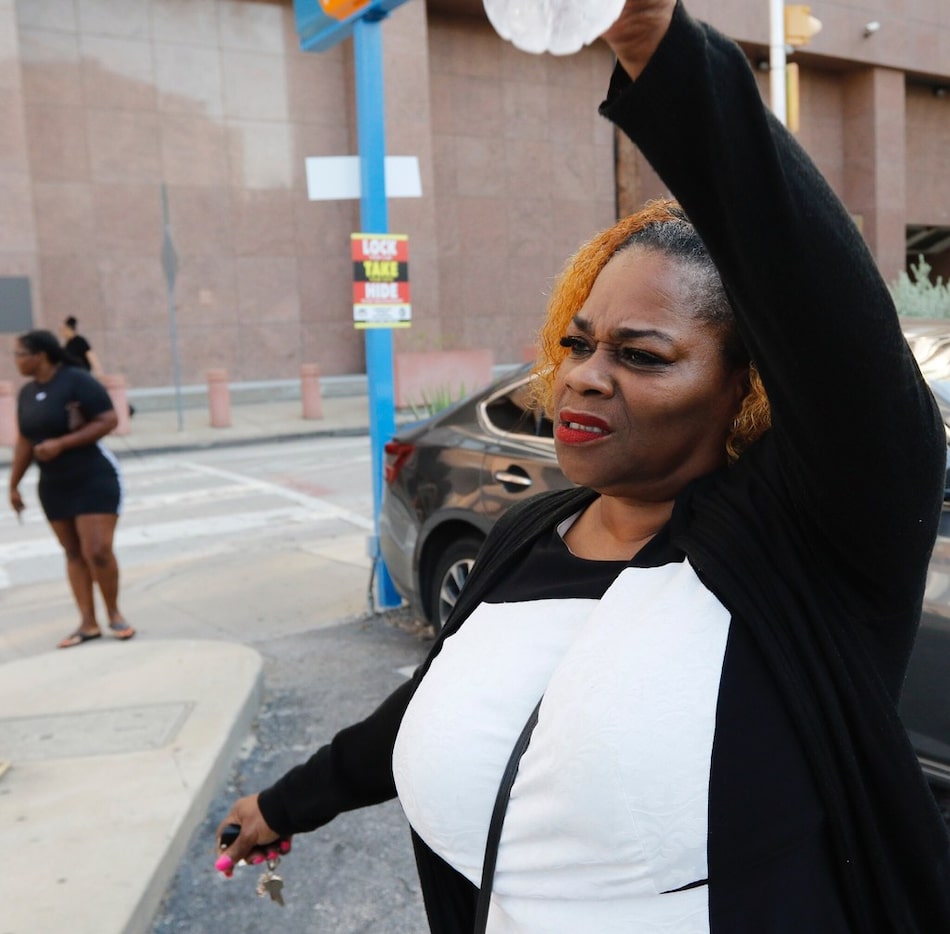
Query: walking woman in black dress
62	413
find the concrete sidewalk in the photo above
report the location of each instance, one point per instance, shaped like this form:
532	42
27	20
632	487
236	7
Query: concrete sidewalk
109	758
114	758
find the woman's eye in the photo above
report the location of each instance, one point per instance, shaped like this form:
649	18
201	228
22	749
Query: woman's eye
636	357
576	345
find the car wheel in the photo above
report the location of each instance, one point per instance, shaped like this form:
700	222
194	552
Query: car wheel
449	574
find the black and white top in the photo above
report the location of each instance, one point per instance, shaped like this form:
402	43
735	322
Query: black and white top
616	777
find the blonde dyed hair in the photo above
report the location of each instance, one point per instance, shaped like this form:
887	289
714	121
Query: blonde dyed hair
661	226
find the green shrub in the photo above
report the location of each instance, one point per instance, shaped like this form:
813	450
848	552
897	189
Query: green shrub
436	400
917	297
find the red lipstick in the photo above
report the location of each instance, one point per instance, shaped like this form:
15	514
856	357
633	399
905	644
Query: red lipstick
578	428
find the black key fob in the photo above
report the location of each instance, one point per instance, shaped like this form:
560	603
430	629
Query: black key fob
229	835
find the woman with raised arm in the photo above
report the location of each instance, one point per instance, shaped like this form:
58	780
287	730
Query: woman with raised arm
666	699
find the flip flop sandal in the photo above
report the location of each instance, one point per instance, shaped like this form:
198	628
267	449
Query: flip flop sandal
122	631
78	638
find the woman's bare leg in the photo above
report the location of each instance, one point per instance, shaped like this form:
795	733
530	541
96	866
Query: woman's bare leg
96	533
78	573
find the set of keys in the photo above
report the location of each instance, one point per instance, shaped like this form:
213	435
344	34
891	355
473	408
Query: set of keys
270	883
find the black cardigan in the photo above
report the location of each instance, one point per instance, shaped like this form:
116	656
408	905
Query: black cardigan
817	541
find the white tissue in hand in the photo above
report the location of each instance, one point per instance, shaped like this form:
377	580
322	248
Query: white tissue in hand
557	26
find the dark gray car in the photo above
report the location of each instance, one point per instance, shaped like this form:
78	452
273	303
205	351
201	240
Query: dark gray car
450	477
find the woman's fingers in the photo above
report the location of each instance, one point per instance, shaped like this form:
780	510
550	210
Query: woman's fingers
253	837
638	31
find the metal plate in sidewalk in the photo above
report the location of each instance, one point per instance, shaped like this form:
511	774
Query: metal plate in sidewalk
92	732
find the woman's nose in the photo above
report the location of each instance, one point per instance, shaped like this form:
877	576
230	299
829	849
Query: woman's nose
594	373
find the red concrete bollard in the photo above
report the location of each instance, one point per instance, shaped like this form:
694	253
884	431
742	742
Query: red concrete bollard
219	398
115	386
8	424
310	391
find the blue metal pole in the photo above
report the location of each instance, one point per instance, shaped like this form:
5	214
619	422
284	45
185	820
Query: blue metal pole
374	218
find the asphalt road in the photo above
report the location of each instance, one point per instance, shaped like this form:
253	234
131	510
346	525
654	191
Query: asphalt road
357	873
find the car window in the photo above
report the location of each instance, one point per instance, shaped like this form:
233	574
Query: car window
510	412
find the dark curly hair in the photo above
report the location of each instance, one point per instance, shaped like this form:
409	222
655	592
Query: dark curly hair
43	342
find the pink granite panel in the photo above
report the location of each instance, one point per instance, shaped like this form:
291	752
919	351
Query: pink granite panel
573	175
528	168
317	89
264	223
57	143
254	86
267	290
526	110
206	291
323	228
260	154
117	73
407	103
128	219
520	66
47	14
124	146
134	292
194	151
188	79
13	149
270	350
484	223
530	223
70	286
335	346
65	221
473	285
123	352
202	220
529	285
445	169
326	294
573	224
476	107
252	26
209	348
127	18
481	164
192	23
17	232
474	50
50	67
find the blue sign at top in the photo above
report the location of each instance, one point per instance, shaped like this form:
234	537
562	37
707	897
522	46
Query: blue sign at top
321	24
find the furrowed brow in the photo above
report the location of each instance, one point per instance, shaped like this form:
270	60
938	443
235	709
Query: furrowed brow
618	335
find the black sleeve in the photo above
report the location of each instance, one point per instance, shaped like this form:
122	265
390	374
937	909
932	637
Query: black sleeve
352	771
862	445
355	769
91	395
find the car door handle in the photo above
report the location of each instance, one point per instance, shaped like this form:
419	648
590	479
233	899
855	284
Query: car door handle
507	478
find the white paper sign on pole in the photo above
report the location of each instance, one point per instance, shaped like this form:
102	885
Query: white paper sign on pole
337	178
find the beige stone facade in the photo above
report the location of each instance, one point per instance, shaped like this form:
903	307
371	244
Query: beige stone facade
104	102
